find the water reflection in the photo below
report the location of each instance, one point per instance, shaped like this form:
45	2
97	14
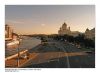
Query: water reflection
25	43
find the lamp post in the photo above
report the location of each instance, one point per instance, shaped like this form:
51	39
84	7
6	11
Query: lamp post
18	51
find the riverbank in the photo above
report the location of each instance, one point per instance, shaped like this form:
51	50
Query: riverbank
25	44
54	51
13	62
37	57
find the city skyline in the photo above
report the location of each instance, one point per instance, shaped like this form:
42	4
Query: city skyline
46	19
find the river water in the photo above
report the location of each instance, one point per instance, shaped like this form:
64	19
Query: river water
26	43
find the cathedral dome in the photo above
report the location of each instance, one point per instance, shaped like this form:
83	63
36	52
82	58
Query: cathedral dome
64	24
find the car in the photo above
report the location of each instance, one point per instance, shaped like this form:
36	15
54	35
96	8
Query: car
89	52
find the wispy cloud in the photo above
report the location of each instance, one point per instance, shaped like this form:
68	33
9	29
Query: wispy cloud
14	22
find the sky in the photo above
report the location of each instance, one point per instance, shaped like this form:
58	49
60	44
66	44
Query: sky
47	19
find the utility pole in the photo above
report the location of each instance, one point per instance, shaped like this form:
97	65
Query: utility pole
18	51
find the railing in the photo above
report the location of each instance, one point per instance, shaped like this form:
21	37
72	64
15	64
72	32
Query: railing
15	55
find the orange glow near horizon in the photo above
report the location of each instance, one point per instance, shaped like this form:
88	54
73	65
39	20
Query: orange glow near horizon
47	19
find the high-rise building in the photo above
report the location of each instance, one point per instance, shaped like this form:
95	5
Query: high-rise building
8	31
9	34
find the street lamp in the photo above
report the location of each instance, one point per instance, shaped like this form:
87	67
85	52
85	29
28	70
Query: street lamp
18	51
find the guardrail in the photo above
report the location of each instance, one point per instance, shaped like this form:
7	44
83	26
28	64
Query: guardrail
15	55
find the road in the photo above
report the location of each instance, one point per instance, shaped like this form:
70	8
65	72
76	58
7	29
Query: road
54	54
60	55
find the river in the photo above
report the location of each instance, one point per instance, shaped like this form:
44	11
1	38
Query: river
26	43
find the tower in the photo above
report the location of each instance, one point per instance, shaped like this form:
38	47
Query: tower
69	28
64	26
8	31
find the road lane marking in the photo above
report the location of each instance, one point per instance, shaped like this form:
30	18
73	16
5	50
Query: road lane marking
67	60
66	57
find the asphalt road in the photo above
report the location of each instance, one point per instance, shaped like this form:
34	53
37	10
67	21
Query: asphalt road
57	55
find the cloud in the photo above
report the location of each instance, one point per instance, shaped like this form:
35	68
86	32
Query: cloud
15	22
42	24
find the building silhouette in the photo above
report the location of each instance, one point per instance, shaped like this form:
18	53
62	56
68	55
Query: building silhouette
9	34
90	34
65	30
8	31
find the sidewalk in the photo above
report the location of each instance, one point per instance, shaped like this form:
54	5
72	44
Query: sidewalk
12	63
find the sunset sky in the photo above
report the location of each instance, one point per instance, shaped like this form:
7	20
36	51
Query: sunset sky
47	19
